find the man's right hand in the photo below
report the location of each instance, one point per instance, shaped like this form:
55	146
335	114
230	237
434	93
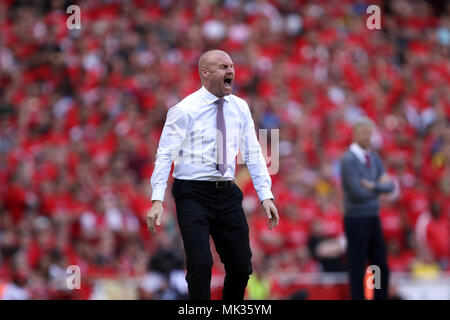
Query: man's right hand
154	216
385	178
367	184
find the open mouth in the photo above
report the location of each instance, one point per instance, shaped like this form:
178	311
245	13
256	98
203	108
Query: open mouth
227	82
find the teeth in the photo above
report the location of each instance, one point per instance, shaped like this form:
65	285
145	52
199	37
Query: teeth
227	82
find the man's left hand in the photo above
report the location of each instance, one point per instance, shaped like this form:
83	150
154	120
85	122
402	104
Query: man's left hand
271	212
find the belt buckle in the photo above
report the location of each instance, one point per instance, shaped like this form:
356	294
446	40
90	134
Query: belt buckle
221	184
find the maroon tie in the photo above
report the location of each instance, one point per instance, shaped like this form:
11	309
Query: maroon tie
367	160
221	144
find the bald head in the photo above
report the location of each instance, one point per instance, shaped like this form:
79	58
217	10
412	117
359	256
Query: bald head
208	58
216	71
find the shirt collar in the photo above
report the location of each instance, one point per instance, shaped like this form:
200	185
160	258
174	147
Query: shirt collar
209	98
359	152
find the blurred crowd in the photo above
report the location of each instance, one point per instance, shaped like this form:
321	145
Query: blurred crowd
81	113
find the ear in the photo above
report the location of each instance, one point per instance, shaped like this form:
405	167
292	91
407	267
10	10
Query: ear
205	73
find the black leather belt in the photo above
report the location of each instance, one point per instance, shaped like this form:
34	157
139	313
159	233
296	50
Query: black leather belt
223	183
219	184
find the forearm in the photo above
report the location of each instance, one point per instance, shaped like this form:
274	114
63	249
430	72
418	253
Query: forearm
352	182
262	184
384	187
160	175
174	132
359	192
257	168
254	159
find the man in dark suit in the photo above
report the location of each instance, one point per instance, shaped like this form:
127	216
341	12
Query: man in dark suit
363	180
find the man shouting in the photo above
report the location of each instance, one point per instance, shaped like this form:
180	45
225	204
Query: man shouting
203	134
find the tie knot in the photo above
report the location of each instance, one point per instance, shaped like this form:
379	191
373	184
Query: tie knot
220	102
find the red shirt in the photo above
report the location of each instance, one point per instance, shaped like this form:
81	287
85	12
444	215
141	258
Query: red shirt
438	237
392	224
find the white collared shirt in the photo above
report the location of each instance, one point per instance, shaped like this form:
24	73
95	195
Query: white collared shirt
359	152
189	139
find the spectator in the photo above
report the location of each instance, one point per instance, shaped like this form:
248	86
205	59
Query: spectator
328	251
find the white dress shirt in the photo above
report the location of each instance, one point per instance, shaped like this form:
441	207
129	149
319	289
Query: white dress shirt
189	140
359	152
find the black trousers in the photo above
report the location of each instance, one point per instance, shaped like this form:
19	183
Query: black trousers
365	242
203	209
